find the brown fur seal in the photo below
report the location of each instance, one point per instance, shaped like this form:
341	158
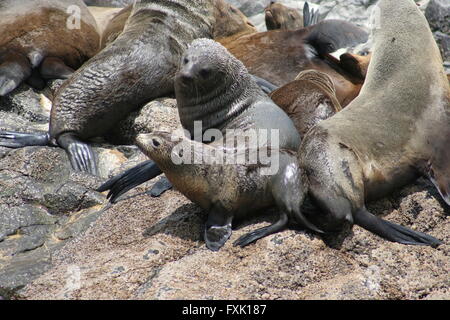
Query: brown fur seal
397	129
35	35
137	67
307	100
230	23
279	16
279	55
213	89
226	191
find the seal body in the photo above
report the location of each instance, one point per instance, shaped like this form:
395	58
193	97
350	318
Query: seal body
32	31
309	99
230	23
137	67
279	55
396	129
279	16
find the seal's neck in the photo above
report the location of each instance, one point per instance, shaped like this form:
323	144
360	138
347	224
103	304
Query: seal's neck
217	107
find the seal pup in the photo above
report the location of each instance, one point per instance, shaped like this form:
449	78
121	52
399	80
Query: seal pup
397	129
227	191
279	16
309	99
35	36
137	67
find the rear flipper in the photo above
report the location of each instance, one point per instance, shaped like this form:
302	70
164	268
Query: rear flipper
251	237
13	139
80	154
310	16
55	68
391	231
218	227
265	85
14	69
131	178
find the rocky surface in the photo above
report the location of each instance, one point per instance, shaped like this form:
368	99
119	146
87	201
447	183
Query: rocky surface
59	239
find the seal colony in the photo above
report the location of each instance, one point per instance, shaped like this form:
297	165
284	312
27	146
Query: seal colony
36	43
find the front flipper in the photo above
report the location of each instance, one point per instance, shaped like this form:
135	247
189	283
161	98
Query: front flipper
391	231
14	69
131	178
218	227
13	139
248	238
55	68
80	153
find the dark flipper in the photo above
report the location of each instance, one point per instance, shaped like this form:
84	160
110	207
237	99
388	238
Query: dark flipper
265	85
439	174
129	179
12	139
310	16
80	153
160	187
55	68
218	227
391	231
248	238
14	69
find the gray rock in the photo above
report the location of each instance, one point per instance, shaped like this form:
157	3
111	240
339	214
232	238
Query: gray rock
438	15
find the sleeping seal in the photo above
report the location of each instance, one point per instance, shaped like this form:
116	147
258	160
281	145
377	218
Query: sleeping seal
278	16
397	129
36	36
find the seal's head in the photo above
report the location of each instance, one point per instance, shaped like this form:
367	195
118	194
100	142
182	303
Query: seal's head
206	67
278	16
211	85
230	21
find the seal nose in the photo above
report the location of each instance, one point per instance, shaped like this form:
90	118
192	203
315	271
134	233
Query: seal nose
185	76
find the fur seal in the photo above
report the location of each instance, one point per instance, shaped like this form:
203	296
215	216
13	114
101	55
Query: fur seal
230	23
34	35
137	67
279	16
307	100
227	191
279	55
215	88
397	129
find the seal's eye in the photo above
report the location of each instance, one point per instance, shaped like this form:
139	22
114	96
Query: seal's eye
185	60
205	73
155	143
